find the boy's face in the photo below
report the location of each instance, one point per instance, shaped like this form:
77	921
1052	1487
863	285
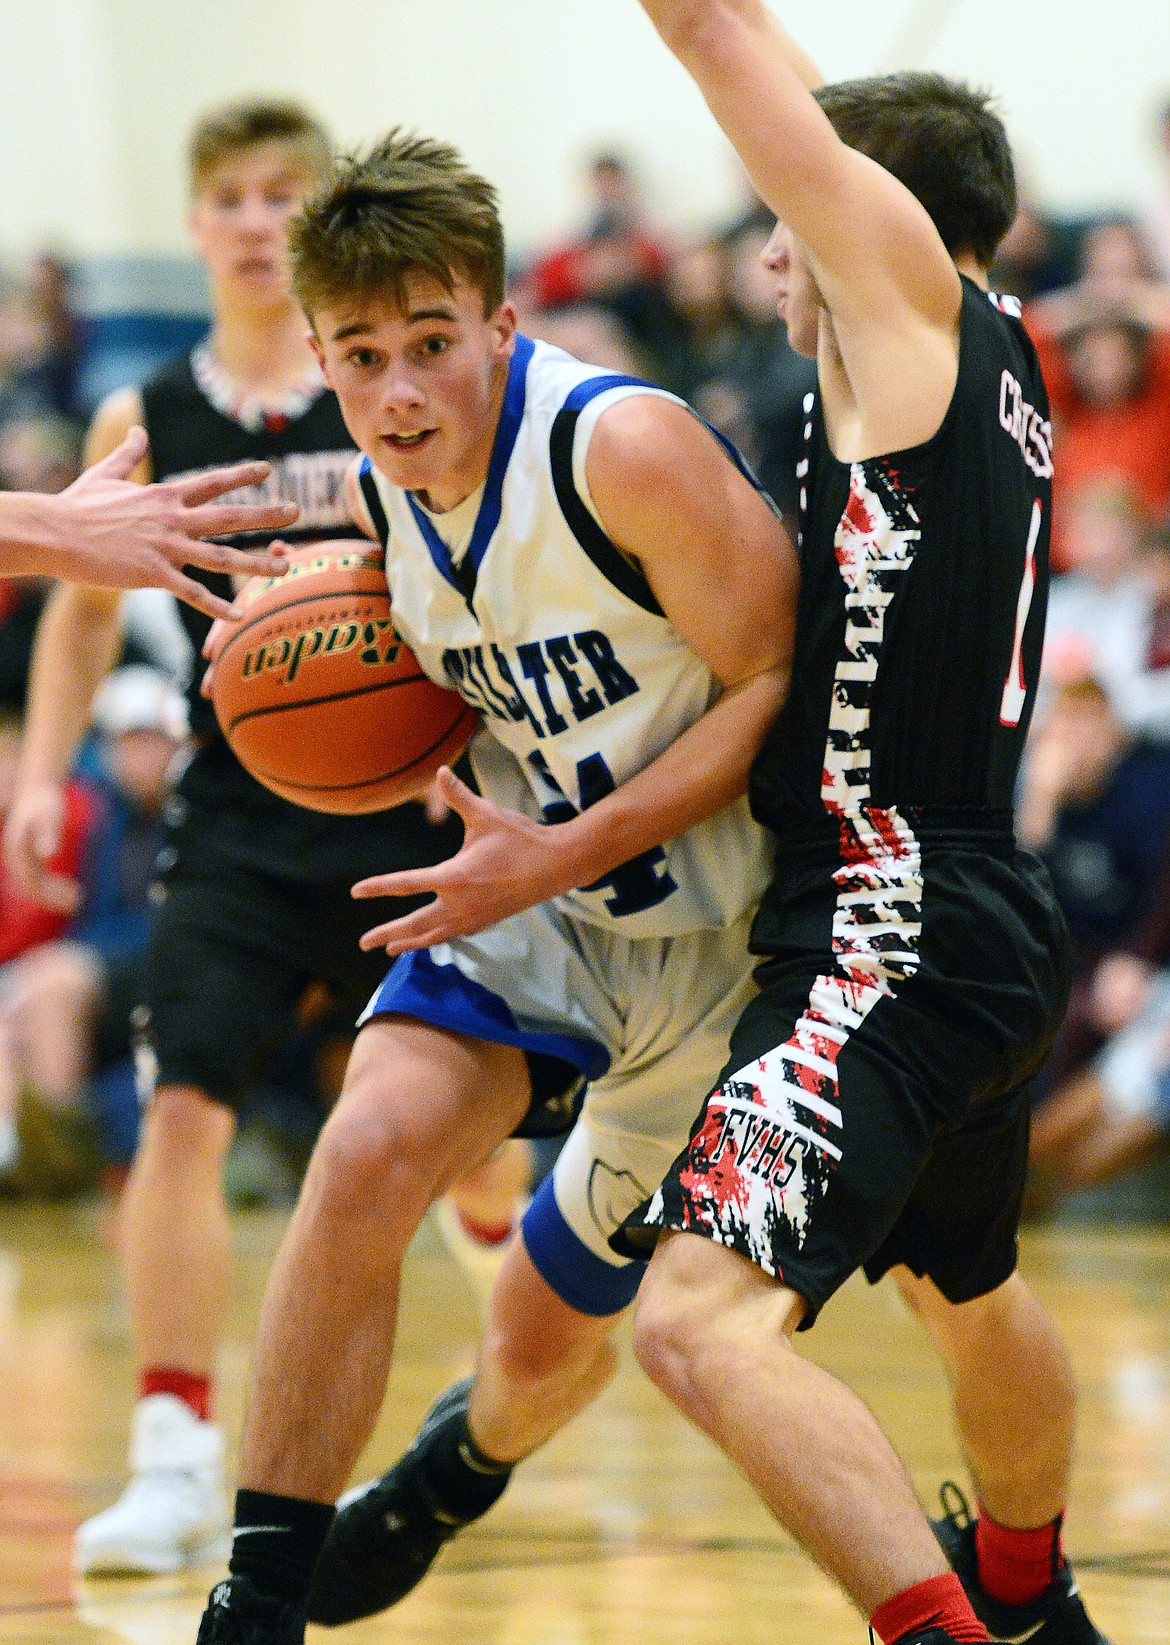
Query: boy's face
239	220
420	386
798	300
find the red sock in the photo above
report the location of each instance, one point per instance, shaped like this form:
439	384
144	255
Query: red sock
487	1233
937	1603
193	1390
1017	1566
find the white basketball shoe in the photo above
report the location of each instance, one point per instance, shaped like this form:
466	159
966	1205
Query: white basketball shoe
174	1512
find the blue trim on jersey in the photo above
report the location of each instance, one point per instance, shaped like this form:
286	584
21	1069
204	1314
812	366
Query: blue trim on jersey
577	1274
491	504
418	986
579	397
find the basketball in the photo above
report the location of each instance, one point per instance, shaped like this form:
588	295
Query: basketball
319	697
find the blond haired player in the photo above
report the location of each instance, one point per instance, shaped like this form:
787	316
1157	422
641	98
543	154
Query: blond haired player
553	534
254	902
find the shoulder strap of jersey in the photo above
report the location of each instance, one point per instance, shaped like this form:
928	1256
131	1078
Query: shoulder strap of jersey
168	390
600	548
373	501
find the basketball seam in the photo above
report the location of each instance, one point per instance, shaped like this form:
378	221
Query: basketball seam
294	705
242	628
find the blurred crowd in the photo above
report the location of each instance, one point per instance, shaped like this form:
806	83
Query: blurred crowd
695	315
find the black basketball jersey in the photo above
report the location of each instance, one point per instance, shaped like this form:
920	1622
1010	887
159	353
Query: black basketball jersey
924	577
309	454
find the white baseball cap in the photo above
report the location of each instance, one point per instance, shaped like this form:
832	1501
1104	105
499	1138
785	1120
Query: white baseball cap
140	698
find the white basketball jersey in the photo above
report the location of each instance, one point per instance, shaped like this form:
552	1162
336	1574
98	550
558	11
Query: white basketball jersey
519	601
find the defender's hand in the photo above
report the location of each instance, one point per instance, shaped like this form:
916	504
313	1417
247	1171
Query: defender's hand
116	534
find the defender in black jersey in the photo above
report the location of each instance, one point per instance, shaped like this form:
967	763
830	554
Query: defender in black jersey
873	1112
254	902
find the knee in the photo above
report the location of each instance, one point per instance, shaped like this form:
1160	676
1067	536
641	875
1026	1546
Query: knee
680	1329
185	1129
59	967
705	1317
71	973
920	1295
371	1162
670	1339
53	988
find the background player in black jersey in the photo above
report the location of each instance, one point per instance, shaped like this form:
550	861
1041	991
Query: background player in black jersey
102	529
256	901
874	1110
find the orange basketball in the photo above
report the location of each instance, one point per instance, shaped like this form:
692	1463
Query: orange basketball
319	697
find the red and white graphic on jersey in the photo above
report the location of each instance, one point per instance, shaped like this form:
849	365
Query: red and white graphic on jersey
773	1132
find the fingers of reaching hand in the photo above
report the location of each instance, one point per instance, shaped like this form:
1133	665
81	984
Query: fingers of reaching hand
195	594
204	488
125	457
422	929
246	562
228	519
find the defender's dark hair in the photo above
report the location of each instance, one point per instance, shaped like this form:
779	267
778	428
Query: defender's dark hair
944	141
411	203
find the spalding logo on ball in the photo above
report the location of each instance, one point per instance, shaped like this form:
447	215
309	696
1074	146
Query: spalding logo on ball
318	695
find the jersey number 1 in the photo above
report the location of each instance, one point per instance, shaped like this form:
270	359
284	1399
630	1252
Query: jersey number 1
1015	690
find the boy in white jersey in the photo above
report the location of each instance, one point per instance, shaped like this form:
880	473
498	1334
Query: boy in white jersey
555	538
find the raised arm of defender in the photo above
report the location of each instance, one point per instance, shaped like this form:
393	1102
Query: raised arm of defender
725	574
881	270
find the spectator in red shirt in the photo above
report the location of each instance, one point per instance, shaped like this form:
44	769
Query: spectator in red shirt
1104	346
618	263
25	922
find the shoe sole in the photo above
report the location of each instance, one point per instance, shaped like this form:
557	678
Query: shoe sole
125	1560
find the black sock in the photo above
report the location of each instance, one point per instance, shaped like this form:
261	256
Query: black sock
276	1542
463	1480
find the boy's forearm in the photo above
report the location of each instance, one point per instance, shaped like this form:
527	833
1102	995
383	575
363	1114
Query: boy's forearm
682	25
30	537
705	770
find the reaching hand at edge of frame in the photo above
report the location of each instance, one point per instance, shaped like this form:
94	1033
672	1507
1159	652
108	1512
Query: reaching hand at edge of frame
107	531
673	18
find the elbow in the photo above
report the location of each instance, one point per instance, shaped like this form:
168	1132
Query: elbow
777	683
694	29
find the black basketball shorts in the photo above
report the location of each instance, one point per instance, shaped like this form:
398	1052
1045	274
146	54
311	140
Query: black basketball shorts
874	1108
231	951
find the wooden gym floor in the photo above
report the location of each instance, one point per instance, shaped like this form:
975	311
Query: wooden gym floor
629	1529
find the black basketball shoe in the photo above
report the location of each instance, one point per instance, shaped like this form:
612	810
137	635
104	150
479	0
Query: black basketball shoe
386	1534
237	1615
1058	1617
